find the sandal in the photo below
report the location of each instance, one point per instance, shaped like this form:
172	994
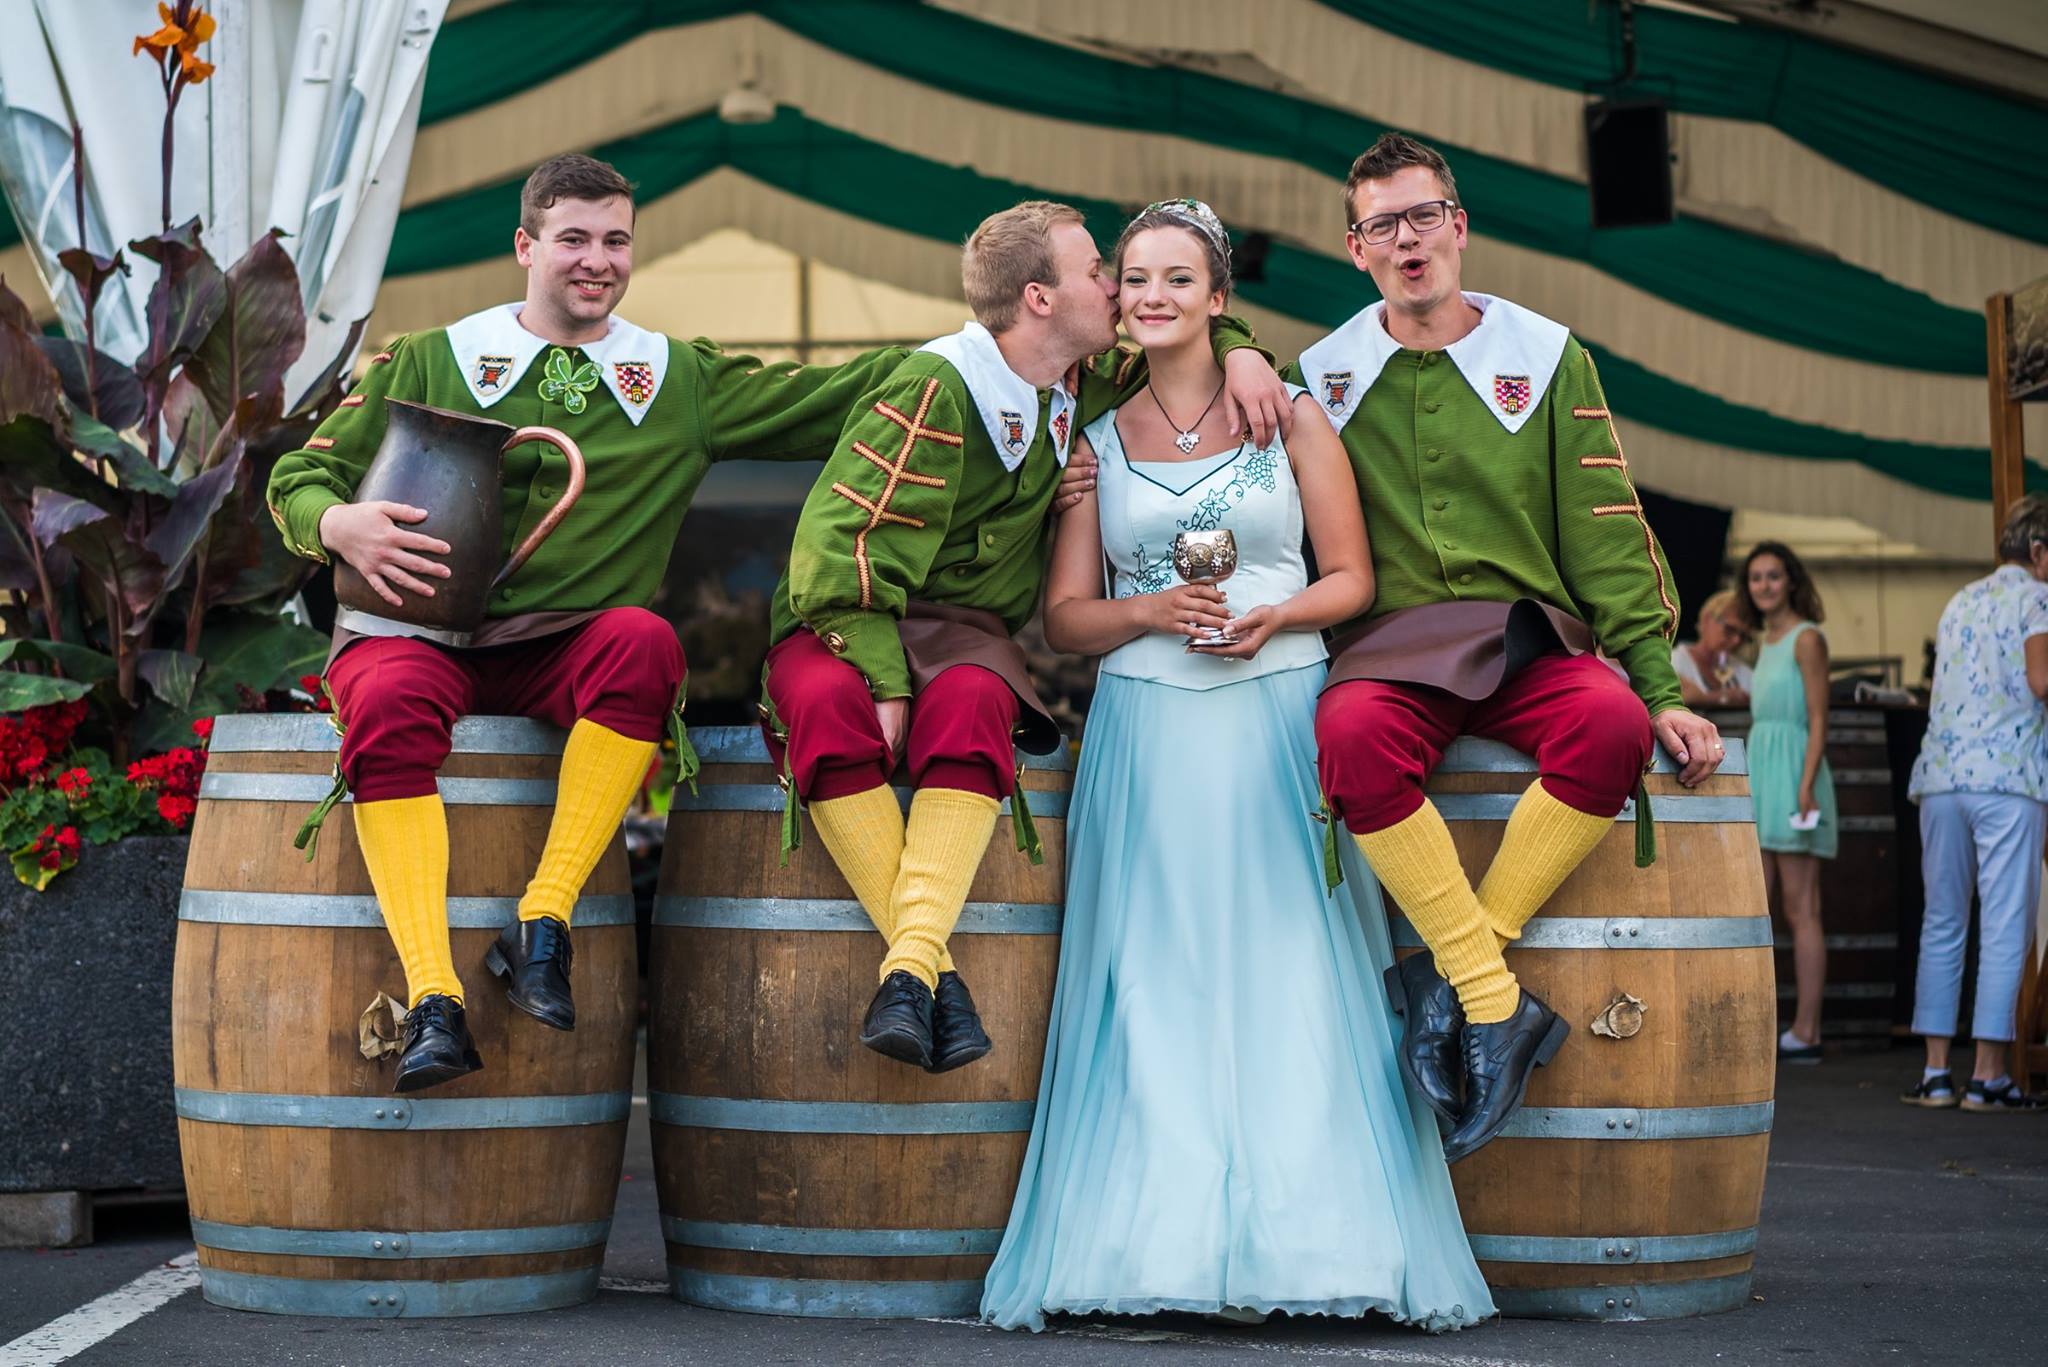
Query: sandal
1937	1092
2007	1100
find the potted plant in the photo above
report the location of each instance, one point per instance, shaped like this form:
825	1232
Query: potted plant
146	590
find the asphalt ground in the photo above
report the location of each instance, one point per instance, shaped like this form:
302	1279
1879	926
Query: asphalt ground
1889	1235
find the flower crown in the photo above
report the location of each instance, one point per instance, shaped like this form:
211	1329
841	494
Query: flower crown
1196	215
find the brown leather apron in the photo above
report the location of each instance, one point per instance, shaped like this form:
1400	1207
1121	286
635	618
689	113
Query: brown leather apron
1465	648
495	631
938	636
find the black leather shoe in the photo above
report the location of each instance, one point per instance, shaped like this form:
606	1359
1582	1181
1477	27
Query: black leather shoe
1429	1053
1498	1061
899	1020
533	958
957	1036
437	1045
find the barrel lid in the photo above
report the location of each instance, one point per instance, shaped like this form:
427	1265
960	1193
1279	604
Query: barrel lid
314	732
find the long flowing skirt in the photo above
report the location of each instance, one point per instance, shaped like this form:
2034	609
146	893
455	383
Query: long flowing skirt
1221	1122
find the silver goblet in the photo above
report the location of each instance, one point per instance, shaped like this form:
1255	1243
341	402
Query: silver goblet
1207	558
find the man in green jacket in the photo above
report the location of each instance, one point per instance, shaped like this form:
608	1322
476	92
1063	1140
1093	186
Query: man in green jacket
1508	542
921	548
568	638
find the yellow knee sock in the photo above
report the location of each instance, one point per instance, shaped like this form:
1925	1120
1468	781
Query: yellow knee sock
1416	861
601	770
864	834
943	843
405	845
1545	841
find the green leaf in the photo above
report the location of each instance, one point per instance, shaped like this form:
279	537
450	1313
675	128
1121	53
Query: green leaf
20	691
258	653
172	674
29	869
33	456
129	461
78	662
114	395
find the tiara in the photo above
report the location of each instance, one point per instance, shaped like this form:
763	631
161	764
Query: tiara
1196	215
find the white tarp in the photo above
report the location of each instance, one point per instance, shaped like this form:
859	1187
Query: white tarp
307	125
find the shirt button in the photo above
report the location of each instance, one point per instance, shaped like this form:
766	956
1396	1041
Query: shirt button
1442	504
1431	406
1434	455
1464	579
545	491
1429	358
1452	546
835	643
505	594
989	540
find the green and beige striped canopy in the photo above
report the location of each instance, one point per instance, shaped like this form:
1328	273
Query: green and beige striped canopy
1808	335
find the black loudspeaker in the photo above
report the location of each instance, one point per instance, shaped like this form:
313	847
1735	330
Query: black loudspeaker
1628	162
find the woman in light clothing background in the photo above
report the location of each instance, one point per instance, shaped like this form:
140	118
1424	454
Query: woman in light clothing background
1710	673
1982	785
1789	778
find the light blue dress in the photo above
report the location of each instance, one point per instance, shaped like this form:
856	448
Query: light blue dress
1777	754
1220	1123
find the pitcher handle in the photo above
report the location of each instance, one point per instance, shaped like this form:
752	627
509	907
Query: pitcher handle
574	491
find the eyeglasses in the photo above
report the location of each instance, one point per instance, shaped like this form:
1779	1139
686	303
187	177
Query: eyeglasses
1425	217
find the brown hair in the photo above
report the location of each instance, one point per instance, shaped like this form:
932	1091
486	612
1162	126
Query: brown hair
1005	253
570	176
1215	255
1800	594
1393	152
2025	523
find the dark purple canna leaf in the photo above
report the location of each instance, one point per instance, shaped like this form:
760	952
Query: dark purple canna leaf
91	271
29	385
114	393
188	298
177	536
259	334
32	457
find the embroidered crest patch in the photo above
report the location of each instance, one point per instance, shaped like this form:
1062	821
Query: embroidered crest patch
491	371
1336	390
1059	428
636	380
1511	392
1013	431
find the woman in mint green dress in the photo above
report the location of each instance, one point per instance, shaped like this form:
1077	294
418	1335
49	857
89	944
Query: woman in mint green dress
1788	768
1222	1127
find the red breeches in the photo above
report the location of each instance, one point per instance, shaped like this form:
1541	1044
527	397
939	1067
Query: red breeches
1378	742
400	696
960	726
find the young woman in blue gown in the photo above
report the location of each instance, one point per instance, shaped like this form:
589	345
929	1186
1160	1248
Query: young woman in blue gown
1221	1124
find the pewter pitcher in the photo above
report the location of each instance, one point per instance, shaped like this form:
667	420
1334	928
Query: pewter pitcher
450	465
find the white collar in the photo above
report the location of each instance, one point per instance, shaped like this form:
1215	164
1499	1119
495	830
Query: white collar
1008	402
1509	359
492	351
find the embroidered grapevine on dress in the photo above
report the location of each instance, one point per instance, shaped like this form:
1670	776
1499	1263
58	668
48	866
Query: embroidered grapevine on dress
566	385
1258	469
1151	575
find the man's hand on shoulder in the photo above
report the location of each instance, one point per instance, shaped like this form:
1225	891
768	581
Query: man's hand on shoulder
1693	741
1254	397
369	537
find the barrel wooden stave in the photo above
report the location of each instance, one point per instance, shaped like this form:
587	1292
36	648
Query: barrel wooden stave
272	1010
1707	1040
801	994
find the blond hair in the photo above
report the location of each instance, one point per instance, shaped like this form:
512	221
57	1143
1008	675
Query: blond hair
1005	253
1718	602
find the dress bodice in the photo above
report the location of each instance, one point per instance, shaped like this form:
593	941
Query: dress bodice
1143	505
1778	694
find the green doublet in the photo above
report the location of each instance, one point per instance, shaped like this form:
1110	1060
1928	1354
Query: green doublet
938	492
1491	471
650	413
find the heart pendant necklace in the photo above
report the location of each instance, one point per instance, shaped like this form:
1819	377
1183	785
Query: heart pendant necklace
1188	439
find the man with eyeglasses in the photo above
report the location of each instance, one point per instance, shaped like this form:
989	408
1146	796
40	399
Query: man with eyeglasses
1508	544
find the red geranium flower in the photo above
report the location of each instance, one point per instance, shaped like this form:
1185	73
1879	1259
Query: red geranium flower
203	728
74	783
174	809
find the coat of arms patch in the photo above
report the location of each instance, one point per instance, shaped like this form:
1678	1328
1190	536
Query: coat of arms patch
1013	431
491	372
1511	392
1336	390
636	381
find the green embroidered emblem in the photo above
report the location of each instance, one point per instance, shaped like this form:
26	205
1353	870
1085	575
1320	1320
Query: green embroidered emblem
561	383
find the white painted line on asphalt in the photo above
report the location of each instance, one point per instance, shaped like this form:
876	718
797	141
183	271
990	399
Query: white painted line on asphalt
69	1335
1245	1342
633	1284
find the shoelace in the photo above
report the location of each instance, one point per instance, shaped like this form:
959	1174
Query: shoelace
433	1012
550	942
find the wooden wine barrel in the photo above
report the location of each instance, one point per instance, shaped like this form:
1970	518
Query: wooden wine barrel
1628	1186
313	1189
794	1166
1859	889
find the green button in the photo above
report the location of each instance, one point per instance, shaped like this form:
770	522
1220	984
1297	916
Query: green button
1433	454
1442	504
1429	358
1464	579
989	540
1431	406
545	491
505	594
1450	545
